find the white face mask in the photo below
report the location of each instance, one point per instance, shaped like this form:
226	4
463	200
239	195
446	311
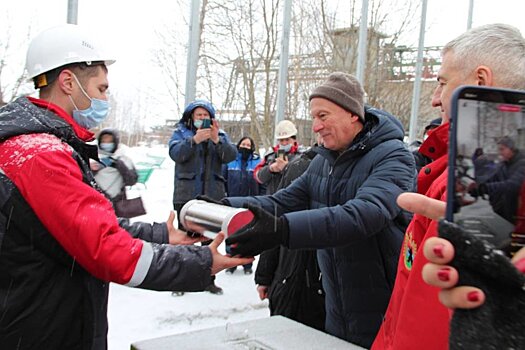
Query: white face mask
107	146
286	148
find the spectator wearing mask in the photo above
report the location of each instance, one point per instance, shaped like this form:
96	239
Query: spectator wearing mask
270	171
199	149
115	171
240	180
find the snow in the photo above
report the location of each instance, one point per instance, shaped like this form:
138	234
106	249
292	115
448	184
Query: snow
135	314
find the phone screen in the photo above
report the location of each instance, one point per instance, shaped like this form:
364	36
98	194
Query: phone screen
281	153
486	193
206	123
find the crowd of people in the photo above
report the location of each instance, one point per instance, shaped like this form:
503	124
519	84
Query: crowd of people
346	230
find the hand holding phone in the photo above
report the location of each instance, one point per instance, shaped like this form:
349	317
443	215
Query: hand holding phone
281	153
485	189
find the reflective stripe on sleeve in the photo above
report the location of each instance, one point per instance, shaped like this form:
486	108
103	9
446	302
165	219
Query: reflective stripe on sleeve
142	268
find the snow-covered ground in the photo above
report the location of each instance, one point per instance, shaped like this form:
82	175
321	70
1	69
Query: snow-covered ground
136	314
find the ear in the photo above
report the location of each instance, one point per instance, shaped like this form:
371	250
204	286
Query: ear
65	81
484	76
355	118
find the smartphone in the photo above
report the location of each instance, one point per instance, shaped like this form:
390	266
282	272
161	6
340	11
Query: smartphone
206	124
281	153
485	188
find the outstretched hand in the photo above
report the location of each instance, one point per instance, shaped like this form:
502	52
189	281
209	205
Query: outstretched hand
423	205
265	231
221	262
177	236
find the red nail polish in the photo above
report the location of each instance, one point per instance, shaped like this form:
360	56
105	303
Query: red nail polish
444	274
473	296
520	265
438	250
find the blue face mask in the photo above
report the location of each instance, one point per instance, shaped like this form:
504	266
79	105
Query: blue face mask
197	123
107	146
286	148
92	116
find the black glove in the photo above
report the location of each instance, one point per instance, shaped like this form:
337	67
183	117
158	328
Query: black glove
265	231
481	266
205	198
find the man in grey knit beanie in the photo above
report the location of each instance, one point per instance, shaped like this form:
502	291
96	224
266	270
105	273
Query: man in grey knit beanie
343	205
345	91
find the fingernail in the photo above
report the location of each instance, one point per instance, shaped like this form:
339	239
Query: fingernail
520	265
444	274
473	296
438	250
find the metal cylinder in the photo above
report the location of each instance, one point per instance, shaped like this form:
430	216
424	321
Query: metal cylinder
212	218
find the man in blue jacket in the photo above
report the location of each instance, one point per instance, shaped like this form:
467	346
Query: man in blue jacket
344	205
199	149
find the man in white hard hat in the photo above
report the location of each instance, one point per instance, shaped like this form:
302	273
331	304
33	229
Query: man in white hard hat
60	241
270	171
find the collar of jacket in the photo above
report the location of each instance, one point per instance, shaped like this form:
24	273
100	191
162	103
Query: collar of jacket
83	134
436	144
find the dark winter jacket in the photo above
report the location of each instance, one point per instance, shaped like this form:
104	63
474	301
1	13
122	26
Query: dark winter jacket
345	205
239	176
293	276
504	186
60	241
262	172
198	167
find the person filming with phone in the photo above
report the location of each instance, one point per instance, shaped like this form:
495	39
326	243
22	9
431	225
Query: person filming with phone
199	149
270	171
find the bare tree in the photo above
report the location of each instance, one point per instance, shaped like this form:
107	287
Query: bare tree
239	58
13	79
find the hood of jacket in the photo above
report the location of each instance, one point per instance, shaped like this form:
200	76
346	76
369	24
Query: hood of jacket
188	112
112	132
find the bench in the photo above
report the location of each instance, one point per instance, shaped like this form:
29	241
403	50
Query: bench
144	175
155	161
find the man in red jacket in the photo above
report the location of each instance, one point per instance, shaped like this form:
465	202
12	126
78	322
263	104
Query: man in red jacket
60	241
490	55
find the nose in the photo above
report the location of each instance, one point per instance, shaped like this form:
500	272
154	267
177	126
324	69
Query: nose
436	97
317	125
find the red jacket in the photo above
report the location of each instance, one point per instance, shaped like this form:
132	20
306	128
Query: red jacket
415	319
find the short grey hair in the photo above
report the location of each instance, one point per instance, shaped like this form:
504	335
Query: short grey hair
500	47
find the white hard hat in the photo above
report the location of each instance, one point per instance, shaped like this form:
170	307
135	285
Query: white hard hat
285	129
61	45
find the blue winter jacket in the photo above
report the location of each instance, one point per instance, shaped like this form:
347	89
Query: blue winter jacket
198	167
344	205
239	176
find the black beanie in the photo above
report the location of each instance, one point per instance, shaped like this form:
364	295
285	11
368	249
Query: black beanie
345	91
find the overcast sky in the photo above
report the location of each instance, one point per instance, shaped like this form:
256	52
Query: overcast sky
130	28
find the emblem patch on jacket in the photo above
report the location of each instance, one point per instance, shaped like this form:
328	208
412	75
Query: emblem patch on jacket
409	250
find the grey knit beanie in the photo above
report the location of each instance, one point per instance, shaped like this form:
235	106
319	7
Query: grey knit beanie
345	91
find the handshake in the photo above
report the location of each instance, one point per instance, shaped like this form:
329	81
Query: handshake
264	232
